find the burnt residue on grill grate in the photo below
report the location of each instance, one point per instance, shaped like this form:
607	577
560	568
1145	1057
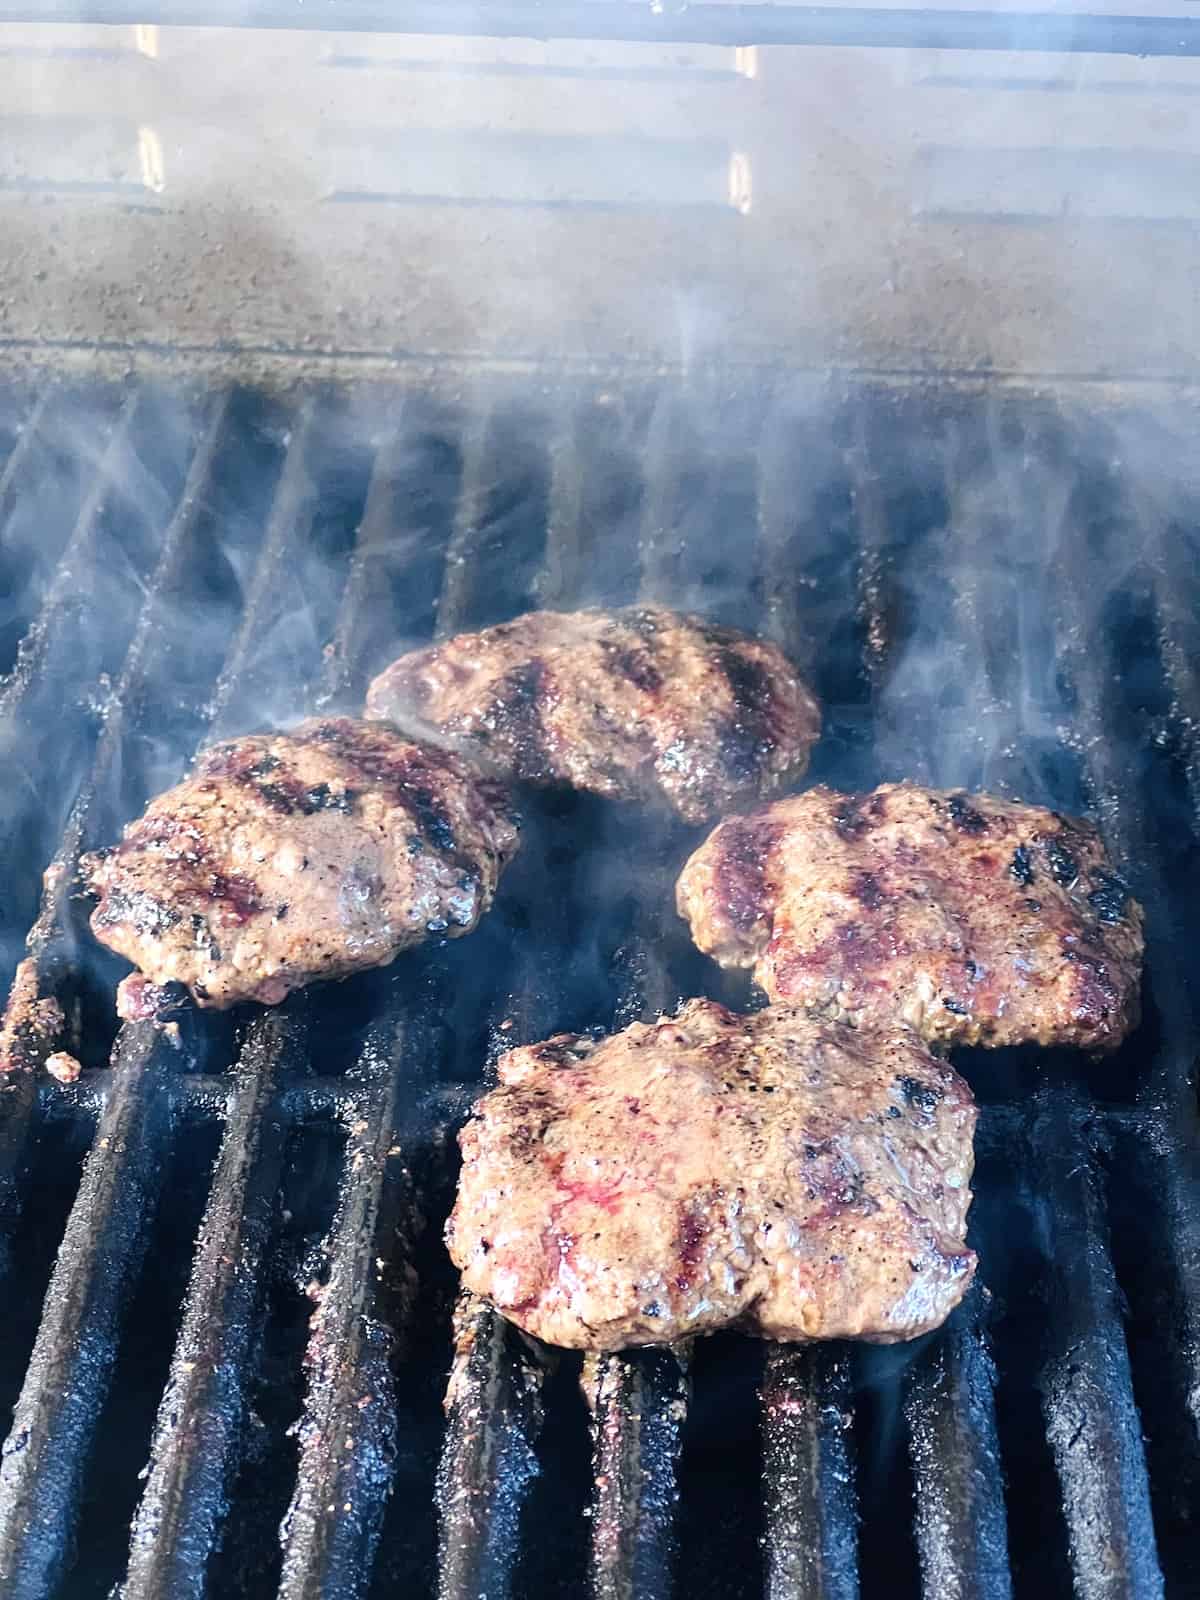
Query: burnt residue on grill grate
233	1317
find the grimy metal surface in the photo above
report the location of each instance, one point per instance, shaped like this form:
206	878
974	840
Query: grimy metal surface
448	199
287	1417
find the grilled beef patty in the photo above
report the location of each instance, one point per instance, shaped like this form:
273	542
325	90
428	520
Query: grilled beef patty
796	1178
976	920
291	856
635	705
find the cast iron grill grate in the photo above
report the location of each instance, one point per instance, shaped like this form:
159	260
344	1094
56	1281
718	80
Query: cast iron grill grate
221	1249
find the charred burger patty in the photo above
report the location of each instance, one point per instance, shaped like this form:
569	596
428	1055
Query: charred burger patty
798	1179
291	856
640	704
975	919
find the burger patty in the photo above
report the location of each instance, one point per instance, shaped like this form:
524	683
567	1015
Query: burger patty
976	920
291	856
638	704
795	1178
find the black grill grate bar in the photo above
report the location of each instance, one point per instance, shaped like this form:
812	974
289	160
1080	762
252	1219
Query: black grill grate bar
56	1416
810	1503
1120	797
488	1462
795	458
289	522
639	1398
18	457
18	1101
200	1416
203	1097
49	939
639	1405
777	512
873	562
349	1428
949	1403
377	530
1179	644
662	458
1091	1419
50	943
459	601
493	1403
810	1507
1090	1414
950	1408
129	1158
563	577
51	629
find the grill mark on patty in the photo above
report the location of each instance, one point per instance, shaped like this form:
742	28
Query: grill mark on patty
751	732
288	797
1064	868
1098	997
742	871
1021	866
849	821
693	1231
515	716
867	890
964	815
835	1180
630	654
924	1097
637	666
1108	899
237	896
407	779
852	954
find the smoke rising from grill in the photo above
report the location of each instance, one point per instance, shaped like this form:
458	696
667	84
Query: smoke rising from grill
1025	494
988	587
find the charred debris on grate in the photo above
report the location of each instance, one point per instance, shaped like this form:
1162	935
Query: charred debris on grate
421	512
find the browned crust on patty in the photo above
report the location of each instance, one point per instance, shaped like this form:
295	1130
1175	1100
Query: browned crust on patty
286	857
975	919
794	1178
638	704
